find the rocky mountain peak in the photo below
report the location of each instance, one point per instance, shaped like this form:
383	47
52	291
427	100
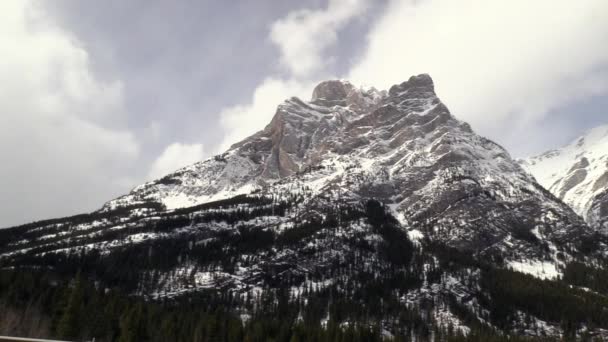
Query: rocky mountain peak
332	90
403	148
343	93
419	83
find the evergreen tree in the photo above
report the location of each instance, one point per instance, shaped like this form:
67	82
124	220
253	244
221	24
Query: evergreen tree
69	324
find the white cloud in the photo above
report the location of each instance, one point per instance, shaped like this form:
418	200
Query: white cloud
303	35
496	64
175	156
59	152
302	38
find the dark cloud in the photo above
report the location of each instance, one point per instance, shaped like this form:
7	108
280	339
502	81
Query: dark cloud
180	62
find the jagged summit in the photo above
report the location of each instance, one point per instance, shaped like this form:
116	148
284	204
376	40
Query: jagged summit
298	136
422	82
332	90
343	93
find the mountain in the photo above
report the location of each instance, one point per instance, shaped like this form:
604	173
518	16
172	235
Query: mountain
359	209
402	147
578	174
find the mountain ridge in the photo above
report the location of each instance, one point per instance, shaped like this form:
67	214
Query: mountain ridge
399	146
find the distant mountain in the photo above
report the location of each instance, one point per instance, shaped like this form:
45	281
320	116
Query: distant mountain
358	208
578	174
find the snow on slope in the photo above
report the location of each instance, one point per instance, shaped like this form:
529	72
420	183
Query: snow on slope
289	144
402	147
577	174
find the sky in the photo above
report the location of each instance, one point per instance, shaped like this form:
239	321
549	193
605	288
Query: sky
100	96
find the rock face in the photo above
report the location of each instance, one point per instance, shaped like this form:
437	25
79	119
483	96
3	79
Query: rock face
332	91
578	174
290	143
402	147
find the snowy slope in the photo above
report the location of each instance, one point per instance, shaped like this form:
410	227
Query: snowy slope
402	147
288	145
578	174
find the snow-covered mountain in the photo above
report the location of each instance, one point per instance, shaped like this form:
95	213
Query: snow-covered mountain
578	174
352	188
402	147
295	140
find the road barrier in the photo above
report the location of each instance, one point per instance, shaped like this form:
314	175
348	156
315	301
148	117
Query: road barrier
24	339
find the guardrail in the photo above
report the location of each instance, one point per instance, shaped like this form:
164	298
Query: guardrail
24	339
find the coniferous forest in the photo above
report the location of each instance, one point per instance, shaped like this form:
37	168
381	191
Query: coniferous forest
351	274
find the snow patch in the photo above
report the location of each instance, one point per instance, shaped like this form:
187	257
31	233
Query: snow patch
536	268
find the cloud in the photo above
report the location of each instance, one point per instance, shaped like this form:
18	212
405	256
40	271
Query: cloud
496	64
60	148
303	35
175	156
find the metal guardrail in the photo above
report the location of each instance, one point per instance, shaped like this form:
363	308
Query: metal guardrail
23	339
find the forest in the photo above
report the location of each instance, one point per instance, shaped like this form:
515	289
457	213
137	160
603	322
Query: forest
87	294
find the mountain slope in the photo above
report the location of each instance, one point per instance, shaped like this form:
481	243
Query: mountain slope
286	146
578	174
402	147
355	198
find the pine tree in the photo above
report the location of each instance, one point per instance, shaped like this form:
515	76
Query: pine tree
132	326
69	323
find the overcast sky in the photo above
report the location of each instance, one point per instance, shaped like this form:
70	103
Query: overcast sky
99	96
